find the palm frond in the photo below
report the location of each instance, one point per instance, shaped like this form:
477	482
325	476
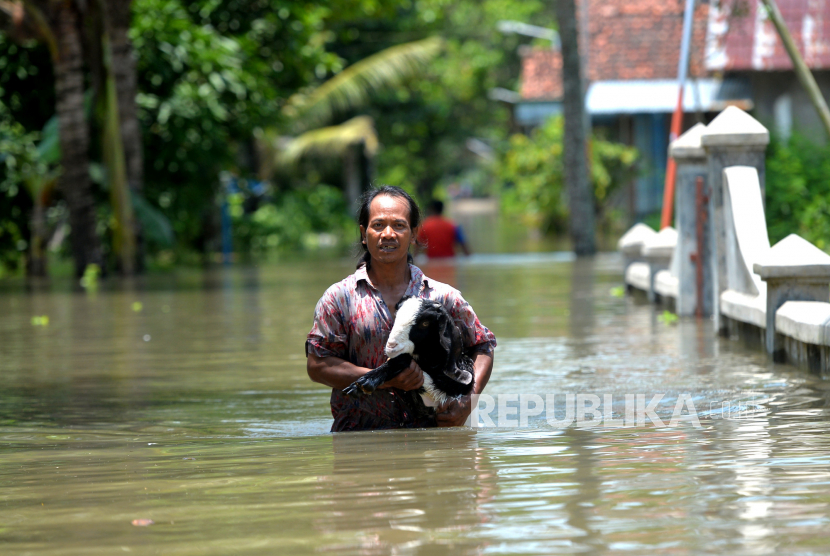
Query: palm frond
332	141
352	87
25	20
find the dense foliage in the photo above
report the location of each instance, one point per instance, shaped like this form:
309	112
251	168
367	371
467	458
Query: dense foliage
216	77
22	116
292	220
531	175
798	190
209	74
18	156
424	130
213	75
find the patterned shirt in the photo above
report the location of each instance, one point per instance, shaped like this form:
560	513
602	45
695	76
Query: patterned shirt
352	322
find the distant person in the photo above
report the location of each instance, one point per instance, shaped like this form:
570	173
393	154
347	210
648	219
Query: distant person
440	235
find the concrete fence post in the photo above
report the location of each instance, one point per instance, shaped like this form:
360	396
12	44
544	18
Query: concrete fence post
794	270
690	157
733	138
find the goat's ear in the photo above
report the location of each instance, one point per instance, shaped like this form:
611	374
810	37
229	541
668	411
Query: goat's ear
399	303
445	330
448	334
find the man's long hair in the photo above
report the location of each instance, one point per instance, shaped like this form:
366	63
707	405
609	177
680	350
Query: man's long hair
363	216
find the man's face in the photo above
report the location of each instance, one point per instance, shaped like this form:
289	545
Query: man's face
388	234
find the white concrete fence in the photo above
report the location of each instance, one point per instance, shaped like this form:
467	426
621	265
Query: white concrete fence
719	262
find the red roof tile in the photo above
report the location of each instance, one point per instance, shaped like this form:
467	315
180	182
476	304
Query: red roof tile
640	39
629	39
541	75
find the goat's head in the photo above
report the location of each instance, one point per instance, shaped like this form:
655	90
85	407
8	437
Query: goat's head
419	321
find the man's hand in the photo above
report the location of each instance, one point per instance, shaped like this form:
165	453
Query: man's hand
455	413
410	378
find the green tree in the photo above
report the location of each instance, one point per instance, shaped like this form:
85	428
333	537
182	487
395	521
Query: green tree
423	129
212	76
209	75
29	169
532	171
61	24
61	27
798	190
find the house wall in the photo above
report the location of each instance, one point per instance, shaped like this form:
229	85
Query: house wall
651	137
769	88
649	133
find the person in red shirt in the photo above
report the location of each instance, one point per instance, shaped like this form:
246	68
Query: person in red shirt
439	235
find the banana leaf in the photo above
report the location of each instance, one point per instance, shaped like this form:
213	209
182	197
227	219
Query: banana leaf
156	226
49	148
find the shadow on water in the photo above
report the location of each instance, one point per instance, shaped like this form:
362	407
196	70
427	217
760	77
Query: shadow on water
183	399
581	310
422	492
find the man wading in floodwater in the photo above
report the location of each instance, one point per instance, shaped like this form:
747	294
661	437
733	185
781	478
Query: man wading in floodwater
353	319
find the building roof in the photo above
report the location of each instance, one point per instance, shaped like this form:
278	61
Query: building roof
541	75
639	40
646	96
741	37
629	39
655	96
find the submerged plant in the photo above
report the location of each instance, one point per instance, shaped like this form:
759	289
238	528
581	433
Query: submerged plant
89	281
668	318
40	320
532	173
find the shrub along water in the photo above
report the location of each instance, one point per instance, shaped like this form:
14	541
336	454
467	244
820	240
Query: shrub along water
290	221
533	181
798	190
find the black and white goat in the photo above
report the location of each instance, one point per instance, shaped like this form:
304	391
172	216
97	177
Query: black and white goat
424	331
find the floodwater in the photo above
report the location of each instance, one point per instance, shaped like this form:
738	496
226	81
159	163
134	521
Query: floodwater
193	410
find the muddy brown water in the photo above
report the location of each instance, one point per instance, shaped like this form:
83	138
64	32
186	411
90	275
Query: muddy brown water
195	412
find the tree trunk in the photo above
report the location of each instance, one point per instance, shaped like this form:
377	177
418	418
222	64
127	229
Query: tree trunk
578	185
36	264
113	150
351	176
74	135
124	70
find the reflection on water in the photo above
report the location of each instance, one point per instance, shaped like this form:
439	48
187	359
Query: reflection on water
194	410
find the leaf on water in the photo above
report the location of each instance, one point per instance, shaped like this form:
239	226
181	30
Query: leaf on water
667	318
89	281
143	522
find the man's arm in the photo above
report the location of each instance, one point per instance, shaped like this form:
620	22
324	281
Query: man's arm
456	412
339	373
461	240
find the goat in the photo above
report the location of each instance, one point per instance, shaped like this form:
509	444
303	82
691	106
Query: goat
424	331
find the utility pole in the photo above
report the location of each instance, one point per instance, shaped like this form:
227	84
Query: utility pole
578	184
677	117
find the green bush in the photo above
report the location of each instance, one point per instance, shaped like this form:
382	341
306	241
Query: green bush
798	190
25	172
533	181
296	220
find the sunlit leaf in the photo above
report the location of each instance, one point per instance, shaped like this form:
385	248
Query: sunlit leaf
353	87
